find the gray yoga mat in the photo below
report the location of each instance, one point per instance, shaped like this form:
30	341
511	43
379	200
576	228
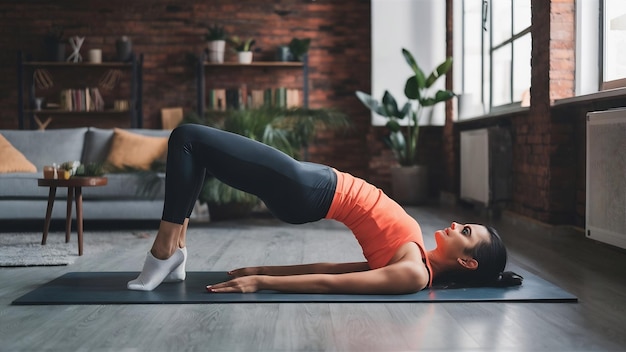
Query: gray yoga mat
110	288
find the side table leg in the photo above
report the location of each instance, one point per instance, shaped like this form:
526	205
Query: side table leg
79	218
68	216
51	194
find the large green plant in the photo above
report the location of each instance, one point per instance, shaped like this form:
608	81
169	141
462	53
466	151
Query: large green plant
403	137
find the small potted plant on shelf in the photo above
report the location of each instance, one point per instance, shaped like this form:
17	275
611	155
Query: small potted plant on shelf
410	179
216	42
243	48
298	48
54	44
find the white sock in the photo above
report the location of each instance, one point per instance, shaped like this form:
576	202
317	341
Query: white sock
154	271
178	274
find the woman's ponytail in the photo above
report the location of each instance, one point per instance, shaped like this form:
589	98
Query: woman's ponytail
507	279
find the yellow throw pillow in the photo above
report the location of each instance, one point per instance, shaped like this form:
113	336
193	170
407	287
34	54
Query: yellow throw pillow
12	160
135	150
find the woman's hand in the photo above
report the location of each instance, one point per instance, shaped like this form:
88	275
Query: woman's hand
254	270
244	284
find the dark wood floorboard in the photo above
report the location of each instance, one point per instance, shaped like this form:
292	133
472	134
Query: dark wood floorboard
594	272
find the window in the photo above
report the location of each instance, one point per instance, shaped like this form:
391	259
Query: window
614	44
418	26
495	46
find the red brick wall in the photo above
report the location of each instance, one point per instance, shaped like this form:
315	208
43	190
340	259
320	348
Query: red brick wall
538	166
450	142
169	32
562	47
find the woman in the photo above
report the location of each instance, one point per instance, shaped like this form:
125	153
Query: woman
299	192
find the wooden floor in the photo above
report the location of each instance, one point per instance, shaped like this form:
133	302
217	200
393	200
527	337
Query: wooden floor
595	272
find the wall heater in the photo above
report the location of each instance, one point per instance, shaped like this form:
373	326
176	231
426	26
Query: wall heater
486	166
605	215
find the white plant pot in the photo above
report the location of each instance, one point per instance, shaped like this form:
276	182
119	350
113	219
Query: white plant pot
245	57
216	50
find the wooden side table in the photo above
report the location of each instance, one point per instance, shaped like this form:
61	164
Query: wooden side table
74	190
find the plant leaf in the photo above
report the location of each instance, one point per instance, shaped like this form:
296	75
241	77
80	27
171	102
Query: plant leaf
440	96
397	143
412	89
371	103
390	105
443	95
393	126
405	110
419	74
441	70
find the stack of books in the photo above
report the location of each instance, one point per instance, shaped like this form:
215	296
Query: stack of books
243	98
86	99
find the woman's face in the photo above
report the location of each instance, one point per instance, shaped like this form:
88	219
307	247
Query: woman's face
458	240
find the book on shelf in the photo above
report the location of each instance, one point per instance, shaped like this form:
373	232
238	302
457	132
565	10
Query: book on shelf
244	98
287	98
257	98
217	99
86	99
293	98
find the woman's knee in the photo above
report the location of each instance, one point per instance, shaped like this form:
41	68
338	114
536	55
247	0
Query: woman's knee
180	132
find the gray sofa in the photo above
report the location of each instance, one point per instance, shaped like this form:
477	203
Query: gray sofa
123	198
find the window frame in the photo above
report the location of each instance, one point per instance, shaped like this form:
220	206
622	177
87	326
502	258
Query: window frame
603	83
488	48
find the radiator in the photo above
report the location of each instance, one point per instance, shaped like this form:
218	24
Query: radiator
605	213
475	166
486	168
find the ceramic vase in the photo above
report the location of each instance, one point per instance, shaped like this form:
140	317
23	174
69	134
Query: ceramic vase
124	49
245	57
216	50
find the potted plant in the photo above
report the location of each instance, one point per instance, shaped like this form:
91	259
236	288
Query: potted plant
216	41
410	179
54	44
243	48
299	47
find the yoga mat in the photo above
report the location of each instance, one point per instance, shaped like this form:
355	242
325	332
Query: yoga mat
110	288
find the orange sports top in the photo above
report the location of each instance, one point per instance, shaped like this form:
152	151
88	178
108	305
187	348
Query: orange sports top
380	225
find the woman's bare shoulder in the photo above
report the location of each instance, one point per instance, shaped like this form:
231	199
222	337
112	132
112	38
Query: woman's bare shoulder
410	255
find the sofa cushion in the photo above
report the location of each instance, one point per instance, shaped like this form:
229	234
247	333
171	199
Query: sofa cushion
48	146
98	142
97	145
134	150
12	159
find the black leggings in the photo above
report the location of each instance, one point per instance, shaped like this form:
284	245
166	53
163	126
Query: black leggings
295	192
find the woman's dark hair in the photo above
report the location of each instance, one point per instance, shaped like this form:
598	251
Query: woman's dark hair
491	256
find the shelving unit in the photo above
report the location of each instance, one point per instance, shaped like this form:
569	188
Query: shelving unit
203	65
28	91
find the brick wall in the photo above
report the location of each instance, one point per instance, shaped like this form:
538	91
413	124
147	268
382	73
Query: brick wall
168	33
450	141
541	156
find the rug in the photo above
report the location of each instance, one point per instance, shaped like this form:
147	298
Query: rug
110	288
25	249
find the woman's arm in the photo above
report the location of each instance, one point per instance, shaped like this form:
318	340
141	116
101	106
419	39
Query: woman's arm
317	268
398	278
